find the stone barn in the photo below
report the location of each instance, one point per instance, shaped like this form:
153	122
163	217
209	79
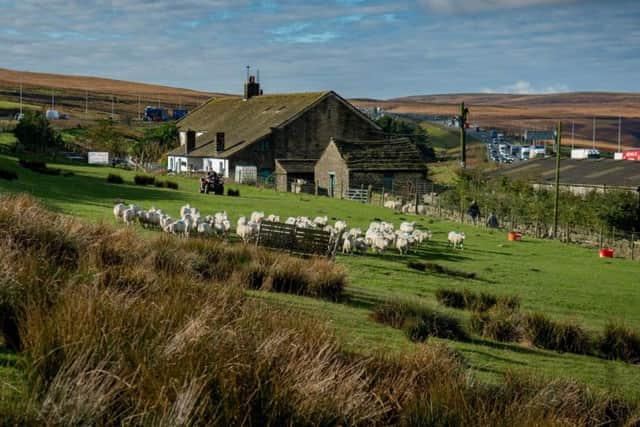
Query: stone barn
394	166
257	129
296	175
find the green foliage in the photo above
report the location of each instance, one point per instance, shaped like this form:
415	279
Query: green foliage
144	180
620	342
407	128
104	136
543	332
41	168
35	133
155	143
113	178
9	175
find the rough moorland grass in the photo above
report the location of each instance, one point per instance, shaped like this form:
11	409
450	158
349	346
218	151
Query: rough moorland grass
8	175
468	300
498	323
620	342
562	336
144	179
419	321
114	178
440	269
117	333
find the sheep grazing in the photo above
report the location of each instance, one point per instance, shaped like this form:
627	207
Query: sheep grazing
186	209
360	246
456	239
392	204
257	217
407	227
204	229
177	227
402	244
290	221
340	226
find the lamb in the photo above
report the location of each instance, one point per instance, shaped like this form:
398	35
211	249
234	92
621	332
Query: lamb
273	218
340	226
257	217
118	210
456	239
245	230
186	209
379	244
402	244
347	243
204	228
129	215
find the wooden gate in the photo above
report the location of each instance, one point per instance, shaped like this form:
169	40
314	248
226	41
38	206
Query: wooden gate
306	241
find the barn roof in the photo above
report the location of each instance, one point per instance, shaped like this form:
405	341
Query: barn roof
381	155
591	172
244	121
296	165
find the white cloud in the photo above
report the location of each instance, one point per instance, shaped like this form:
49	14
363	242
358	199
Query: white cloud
479	5
523	87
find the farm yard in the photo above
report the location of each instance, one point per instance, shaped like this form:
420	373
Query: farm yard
566	283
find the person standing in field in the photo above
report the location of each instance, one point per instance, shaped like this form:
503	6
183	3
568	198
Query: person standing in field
474	212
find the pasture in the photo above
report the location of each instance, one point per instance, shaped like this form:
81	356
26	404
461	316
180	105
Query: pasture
565	282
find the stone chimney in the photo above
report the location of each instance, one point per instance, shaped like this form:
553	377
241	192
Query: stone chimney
251	88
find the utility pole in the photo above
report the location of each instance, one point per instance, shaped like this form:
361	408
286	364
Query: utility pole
593	137
572	133
619	134
462	120
86	103
20	96
557	189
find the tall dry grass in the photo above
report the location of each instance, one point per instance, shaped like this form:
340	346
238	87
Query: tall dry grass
114	329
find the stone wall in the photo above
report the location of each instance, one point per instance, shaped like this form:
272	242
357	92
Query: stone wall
331	161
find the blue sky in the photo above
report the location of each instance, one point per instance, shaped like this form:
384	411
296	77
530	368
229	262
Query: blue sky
360	48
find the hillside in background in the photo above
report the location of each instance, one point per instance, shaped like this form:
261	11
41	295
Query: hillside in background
70	93
516	113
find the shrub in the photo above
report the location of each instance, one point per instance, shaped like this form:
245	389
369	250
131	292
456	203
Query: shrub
113	178
233	193
543	332
440	269
8	175
160	184
465	299
40	167
498	323
144	180
620	342
172	185
419	321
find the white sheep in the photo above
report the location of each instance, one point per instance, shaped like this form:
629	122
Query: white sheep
347	244
456	239
118	210
340	226
273	218
176	227
407	227
321	221
204	228
257	217
402	244
186	209
245	230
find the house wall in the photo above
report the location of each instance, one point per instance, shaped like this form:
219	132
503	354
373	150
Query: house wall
181	164
220	166
401	181
331	161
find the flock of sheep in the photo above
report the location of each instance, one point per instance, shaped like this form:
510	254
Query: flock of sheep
378	237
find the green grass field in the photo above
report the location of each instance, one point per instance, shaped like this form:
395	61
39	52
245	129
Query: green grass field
7	141
16	105
566	282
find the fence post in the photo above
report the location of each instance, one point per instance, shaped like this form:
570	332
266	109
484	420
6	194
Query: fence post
382	198
316	188
633	243
416	200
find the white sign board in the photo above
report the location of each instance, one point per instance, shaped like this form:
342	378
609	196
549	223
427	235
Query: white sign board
98	158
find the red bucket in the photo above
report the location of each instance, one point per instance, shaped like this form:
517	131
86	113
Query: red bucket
606	253
514	237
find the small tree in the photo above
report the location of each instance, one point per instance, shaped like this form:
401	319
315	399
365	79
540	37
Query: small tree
36	134
406	128
105	136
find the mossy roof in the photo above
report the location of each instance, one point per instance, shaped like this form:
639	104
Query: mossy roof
398	154
242	121
296	165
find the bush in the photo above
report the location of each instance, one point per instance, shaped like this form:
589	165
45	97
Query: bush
498	323
160	184
419	321
440	269
40	167
166	184
113	178
172	185
465	299
8	175
144	180
233	193
543	332
620	342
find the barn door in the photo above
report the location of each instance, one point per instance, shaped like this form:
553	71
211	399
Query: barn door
332	184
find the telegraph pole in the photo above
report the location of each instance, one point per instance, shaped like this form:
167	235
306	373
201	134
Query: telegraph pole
557	189
619	134
20	96
86	103
463	134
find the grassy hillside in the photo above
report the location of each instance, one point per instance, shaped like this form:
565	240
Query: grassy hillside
566	282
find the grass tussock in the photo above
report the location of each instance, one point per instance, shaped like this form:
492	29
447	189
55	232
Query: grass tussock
117	330
419	321
114	178
166	184
440	269
8	175
563	336
467	300
41	167
233	193
619	342
499	323
144	180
